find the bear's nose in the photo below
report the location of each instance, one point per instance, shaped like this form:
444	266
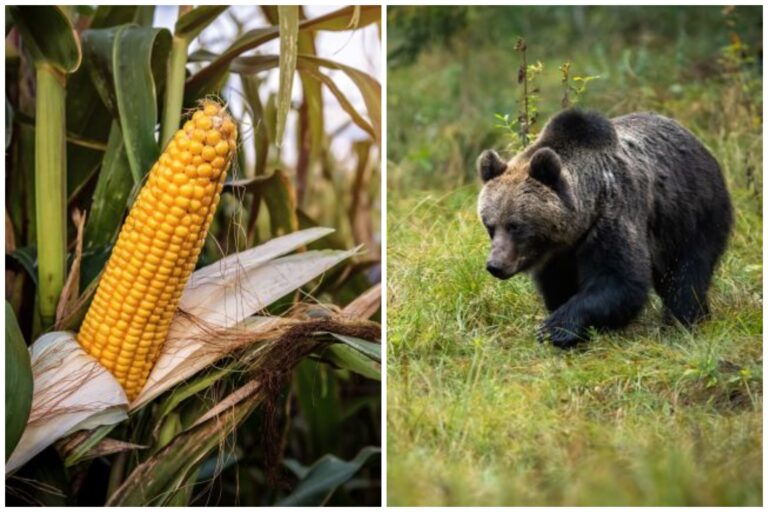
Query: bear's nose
495	270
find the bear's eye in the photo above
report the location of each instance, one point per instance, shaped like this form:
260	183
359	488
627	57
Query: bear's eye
513	228
490	228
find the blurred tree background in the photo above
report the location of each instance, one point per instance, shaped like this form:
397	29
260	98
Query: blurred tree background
478	413
452	69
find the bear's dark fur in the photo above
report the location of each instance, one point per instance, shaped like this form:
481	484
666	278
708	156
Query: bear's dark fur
599	210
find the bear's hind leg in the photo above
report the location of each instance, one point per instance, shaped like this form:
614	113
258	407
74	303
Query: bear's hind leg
683	289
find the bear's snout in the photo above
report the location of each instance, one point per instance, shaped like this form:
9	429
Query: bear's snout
496	271
503	261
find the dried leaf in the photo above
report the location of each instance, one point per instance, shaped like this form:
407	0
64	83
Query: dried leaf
360	210
229	401
70	294
104	447
288	18
365	305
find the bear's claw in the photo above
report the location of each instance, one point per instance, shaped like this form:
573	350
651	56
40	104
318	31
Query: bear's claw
559	336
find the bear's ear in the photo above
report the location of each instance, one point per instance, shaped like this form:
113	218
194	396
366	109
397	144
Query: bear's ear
545	166
490	165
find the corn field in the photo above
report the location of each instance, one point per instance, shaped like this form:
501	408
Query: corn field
192	255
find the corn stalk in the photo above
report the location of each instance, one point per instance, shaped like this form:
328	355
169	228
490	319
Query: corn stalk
50	188
49	38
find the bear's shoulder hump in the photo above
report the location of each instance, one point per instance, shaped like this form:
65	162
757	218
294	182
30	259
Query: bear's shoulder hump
576	129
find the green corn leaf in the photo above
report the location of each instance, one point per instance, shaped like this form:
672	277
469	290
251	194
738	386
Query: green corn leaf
112	194
81	452
87	118
345	357
316	388
112	15
192	23
369	349
139	57
188	389
128	67
313	99
319	482
18	382
27	256
48	36
97	47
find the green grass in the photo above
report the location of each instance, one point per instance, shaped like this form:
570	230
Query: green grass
479	413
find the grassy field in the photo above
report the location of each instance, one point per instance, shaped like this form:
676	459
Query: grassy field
479	413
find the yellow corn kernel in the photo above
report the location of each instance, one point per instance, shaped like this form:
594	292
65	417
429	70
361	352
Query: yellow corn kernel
204	170
219	162
213	138
222	148
195	148
208	153
157	249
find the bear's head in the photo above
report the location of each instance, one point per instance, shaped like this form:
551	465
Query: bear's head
525	206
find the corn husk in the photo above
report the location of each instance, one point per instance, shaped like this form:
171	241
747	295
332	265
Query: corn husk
72	391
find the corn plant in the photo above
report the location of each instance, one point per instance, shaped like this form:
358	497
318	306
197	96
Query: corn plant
189	319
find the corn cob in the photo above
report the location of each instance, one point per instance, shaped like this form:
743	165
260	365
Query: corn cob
157	249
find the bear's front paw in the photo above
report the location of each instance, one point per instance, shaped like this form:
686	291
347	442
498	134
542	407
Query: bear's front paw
561	334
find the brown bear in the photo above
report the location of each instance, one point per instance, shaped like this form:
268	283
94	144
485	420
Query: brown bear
597	210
